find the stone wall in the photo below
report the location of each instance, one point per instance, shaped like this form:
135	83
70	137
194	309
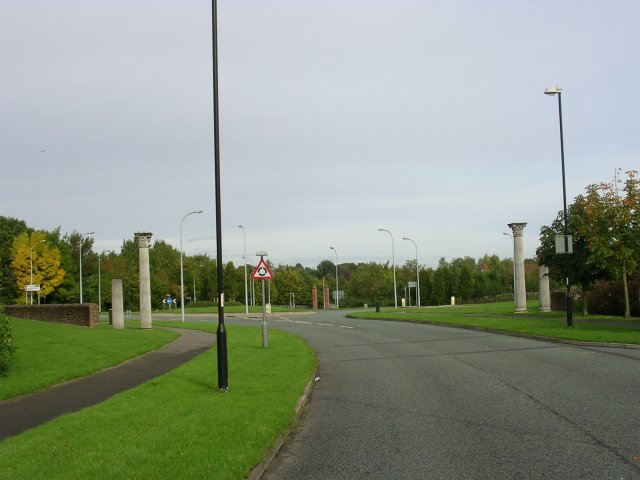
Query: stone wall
85	314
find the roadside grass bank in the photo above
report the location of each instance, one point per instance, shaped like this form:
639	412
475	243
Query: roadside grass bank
500	317
178	425
51	353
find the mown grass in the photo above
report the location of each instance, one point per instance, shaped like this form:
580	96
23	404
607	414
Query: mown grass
508	308
501	317
179	425
50	353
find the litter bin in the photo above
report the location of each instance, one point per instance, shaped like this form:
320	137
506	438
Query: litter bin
110	317
377	307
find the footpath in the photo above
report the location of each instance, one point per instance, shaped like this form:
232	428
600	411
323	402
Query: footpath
28	411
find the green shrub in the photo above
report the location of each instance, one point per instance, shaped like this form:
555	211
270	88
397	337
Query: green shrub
607	298
7	348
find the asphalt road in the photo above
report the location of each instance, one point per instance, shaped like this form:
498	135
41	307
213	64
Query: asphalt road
409	401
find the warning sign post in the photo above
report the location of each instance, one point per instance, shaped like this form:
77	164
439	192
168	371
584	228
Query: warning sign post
263	273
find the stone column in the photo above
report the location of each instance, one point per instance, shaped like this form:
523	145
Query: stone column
545	292
145	279
518	262
117	304
314	297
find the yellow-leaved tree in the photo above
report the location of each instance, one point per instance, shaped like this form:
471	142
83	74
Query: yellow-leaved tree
36	262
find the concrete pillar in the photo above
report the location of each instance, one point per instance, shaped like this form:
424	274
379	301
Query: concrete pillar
314	297
117	304
545	292
145	279
518	262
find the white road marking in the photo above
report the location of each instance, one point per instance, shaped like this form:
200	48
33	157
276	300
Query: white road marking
284	319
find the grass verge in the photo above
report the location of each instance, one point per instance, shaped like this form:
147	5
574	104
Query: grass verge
500	317
50	353
176	426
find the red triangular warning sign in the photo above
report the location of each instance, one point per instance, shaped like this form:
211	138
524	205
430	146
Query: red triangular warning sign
262	271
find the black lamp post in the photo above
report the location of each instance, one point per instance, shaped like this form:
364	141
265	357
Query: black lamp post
551	91
221	333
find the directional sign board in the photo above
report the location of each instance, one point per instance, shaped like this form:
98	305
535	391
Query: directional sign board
560	243
32	288
262	271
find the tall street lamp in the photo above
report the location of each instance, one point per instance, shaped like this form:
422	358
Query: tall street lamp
246	290
181	266
417	268
221	332
393	261
337	289
551	91
513	270
31	271
80	256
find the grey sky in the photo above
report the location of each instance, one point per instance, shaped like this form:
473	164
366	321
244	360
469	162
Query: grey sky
338	117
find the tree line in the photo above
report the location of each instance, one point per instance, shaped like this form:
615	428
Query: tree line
604	266
52	260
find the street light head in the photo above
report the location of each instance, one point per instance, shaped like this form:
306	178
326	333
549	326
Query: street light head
551	91
199	211
240	226
331	248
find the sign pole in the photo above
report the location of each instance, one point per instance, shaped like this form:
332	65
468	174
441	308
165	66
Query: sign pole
265	334
263	273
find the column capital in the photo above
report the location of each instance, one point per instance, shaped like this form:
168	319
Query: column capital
144	239
517	228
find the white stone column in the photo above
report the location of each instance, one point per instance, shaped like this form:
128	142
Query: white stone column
117	304
544	291
518	262
145	279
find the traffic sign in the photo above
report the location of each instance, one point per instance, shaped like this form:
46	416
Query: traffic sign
262	271
560	243
32	287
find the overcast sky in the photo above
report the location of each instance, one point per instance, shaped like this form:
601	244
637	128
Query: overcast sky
426	118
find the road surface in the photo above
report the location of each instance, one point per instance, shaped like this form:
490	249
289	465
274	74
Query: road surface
410	401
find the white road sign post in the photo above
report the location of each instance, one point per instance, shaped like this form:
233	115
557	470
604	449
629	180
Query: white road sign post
31	287
263	273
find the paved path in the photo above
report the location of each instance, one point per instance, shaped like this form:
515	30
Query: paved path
20	414
407	401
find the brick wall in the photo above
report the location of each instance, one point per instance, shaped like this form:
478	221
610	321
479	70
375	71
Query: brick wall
85	314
